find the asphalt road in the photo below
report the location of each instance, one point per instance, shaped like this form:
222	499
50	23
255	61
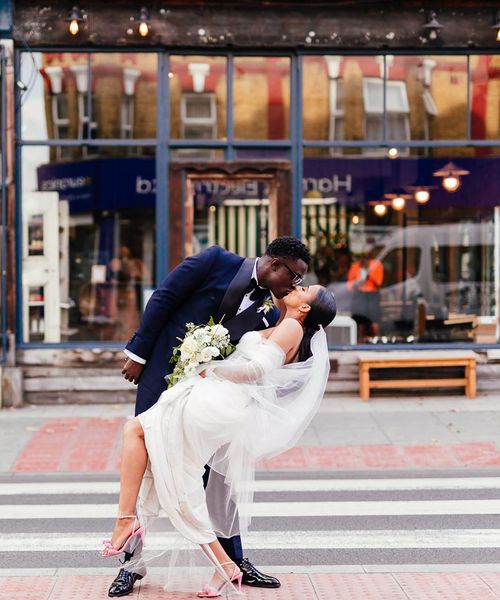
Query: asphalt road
323	520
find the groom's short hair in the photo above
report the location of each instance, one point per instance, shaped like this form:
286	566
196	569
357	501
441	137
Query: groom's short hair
289	247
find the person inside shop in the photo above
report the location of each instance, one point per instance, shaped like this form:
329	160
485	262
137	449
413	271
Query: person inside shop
364	280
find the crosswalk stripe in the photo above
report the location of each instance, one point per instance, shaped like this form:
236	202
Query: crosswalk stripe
275	509
275	540
274	485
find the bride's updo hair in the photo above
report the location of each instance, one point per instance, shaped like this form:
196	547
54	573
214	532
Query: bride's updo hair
322	313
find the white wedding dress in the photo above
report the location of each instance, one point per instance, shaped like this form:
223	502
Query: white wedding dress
248	406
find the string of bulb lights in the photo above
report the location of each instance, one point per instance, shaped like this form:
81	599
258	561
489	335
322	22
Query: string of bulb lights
78	16
451	182
432	27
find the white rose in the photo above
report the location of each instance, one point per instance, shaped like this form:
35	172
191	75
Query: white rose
205	355
218	330
188	348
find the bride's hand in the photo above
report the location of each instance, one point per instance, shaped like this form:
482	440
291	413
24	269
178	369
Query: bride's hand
202	373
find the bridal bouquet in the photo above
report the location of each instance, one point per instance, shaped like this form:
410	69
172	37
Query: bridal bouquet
201	344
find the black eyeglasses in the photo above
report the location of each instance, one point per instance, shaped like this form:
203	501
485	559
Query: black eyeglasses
296	277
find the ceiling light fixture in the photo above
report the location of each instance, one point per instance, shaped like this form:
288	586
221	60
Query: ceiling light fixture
74	19
497	25
144	22
398	203
422	196
451	174
398	199
433	26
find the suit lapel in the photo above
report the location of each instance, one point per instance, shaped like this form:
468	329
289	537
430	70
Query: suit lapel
236	290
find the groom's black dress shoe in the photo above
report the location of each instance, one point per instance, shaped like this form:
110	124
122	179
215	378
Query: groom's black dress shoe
123	584
254	578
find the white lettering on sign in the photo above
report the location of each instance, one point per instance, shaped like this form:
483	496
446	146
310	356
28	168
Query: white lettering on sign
327	185
248	189
65	183
145	186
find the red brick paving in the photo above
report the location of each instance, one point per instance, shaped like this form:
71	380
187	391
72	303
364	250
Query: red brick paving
317	586
347	586
72	445
445	586
26	588
93	445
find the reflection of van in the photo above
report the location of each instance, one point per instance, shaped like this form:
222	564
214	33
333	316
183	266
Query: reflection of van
449	266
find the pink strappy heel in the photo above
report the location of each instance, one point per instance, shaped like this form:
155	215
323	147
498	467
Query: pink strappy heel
210	592
130	544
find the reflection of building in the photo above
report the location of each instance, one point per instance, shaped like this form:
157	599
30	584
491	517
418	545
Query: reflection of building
140	154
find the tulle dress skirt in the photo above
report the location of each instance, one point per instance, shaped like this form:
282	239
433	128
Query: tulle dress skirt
248	406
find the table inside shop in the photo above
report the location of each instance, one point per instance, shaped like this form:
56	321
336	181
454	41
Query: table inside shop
416	359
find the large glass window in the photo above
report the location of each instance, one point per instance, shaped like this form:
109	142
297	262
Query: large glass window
407	247
485	97
261	98
88	96
198	98
88	245
425	98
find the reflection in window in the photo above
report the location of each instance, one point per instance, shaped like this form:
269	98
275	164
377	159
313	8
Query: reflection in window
261	98
485	97
35	235
93	258
438	261
397	109
400	264
197	98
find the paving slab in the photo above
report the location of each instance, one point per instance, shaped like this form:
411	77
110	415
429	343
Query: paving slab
299	586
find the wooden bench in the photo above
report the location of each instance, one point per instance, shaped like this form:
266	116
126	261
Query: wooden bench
416	360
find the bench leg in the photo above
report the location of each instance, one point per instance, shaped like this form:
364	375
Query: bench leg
364	382
470	376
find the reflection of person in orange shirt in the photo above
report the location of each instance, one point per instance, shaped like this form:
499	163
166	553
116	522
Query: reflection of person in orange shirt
364	280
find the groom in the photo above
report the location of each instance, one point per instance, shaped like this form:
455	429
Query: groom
232	289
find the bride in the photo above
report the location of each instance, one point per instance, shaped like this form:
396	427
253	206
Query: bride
254	404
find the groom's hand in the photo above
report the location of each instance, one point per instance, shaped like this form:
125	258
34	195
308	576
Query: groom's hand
132	370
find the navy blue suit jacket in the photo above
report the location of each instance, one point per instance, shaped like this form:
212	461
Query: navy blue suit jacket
210	284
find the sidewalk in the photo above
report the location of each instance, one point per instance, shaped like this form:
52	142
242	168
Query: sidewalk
314	586
346	434
385	433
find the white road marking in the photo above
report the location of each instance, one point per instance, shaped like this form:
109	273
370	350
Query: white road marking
275	509
274	540
275	485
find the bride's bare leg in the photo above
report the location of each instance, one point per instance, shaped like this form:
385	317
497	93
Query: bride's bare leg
216	552
133	464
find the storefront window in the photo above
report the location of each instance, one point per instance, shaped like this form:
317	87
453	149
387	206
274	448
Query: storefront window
89	96
409	256
261	98
425	99
198	98
485	97
88	245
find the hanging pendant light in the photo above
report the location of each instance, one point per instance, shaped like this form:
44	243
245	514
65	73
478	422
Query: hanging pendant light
451	174
74	19
496	25
144	22
380	209
433	26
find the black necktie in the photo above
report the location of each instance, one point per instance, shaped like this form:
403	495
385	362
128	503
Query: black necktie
255	291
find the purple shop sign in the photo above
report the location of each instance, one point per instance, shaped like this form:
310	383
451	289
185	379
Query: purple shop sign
357	181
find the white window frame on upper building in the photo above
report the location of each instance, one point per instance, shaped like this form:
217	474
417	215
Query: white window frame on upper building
376	109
